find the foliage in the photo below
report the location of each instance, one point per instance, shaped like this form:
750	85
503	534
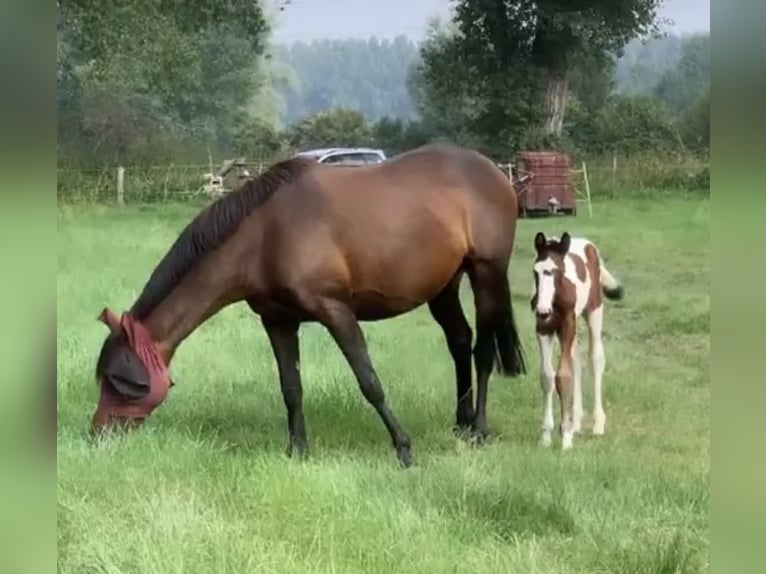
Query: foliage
686	82
631	124
511	36
257	139
646	173
394	135
695	124
644	62
495	114
336	127
135	76
162	81
366	75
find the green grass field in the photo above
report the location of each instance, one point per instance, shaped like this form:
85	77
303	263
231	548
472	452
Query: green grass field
206	487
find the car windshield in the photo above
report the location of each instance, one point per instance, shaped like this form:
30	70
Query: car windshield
359	158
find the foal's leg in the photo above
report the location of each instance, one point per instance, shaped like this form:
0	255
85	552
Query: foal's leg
447	311
284	342
547	380
339	319
598	363
564	381
577	370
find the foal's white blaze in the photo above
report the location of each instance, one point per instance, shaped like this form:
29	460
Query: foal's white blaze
546	288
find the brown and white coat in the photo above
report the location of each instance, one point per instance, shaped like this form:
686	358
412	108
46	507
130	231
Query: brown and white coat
570	281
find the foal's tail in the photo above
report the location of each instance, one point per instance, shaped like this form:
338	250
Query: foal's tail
610	286
509	356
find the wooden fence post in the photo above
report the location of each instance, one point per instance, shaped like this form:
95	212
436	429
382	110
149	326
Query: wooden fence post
587	188
121	185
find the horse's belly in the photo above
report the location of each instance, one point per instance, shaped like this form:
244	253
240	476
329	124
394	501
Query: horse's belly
373	306
402	288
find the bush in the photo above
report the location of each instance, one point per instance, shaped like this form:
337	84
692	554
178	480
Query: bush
649	171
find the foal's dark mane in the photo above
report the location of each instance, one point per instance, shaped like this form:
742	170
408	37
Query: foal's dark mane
211	227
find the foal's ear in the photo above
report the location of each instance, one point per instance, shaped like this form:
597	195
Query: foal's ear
564	243
540	241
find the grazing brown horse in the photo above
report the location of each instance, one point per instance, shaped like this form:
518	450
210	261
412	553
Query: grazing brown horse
306	242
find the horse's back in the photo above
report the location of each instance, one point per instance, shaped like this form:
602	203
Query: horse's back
437	181
394	234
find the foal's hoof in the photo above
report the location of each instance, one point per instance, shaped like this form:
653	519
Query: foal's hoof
404	454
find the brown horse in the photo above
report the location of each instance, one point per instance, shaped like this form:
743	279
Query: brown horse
306	242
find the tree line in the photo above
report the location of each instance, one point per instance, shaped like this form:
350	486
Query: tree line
148	81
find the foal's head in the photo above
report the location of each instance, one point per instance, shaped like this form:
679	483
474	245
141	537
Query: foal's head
133	378
551	296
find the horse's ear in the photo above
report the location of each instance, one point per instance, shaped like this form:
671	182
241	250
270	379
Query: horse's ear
539	241
565	242
110	319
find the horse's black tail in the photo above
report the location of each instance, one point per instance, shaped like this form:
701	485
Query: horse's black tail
509	355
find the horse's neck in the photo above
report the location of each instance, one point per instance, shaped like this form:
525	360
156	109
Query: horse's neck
199	295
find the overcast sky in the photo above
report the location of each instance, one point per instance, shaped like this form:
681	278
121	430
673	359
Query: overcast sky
307	19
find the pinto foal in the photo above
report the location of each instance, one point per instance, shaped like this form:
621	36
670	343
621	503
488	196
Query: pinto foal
569	280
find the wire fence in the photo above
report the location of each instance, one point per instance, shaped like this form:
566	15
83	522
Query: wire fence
141	184
176	182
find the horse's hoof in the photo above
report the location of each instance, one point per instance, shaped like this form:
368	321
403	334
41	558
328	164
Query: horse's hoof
462	430
479	434
298	451
404	454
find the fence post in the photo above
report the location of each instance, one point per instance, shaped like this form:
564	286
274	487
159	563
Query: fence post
120	185
587	188
614	170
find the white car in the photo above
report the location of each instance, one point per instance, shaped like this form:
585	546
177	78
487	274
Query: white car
345	156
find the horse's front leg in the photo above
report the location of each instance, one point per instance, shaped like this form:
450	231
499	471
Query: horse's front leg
284	342
340	321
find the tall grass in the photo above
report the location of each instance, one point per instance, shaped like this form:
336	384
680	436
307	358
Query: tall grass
648	172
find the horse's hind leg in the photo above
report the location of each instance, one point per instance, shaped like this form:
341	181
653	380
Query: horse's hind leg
339	319
487	292
448	312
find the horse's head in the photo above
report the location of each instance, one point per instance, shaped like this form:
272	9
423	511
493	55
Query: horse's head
132	377
549	295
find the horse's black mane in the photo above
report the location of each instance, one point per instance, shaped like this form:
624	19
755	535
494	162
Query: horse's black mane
214	225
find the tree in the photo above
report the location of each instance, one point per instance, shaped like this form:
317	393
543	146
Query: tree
632	124
457	102
643	63
686	82
337	127
140	72
441	88
394	135
548	35
367	75
259	140
695	124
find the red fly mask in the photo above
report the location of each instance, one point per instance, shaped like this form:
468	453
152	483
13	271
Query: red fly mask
134	379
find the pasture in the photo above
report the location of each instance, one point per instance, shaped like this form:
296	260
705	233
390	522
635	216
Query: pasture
206	487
